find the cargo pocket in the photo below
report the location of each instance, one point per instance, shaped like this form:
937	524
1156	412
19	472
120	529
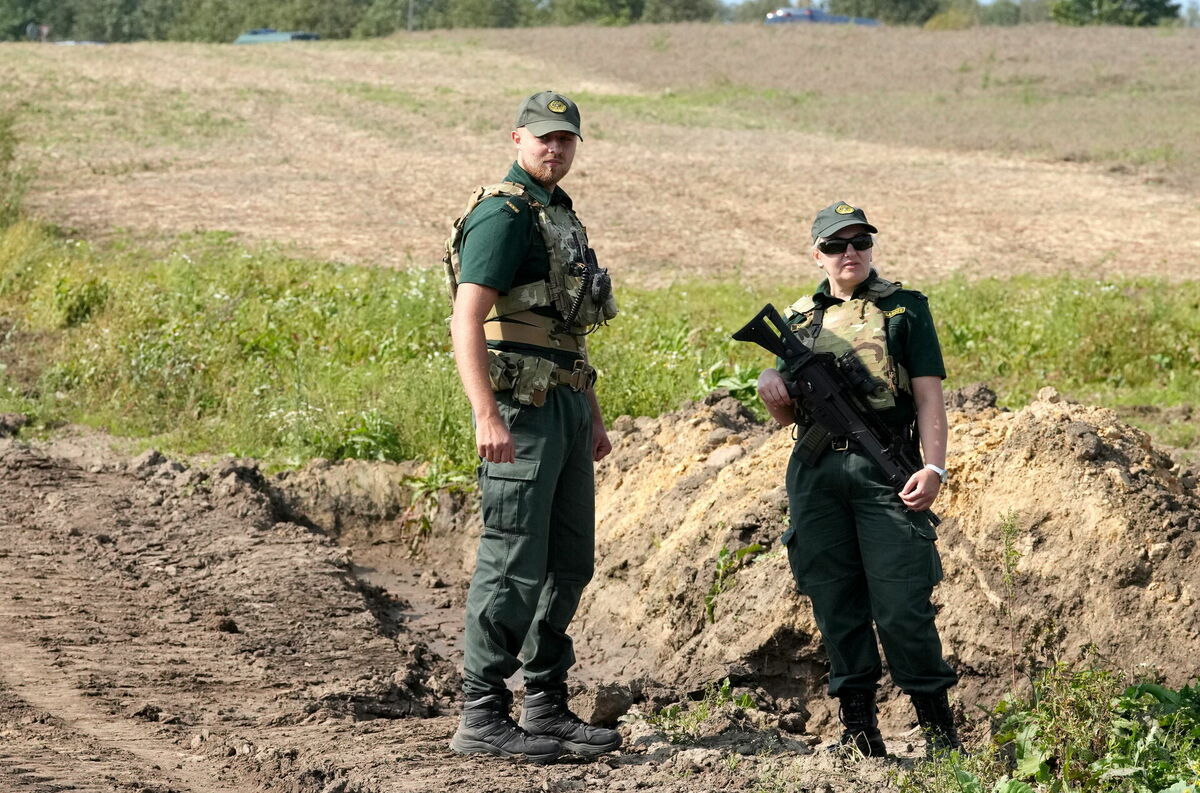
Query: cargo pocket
921	526
794	560
507	490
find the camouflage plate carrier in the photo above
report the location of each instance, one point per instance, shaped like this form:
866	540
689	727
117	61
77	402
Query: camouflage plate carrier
577	289
857	325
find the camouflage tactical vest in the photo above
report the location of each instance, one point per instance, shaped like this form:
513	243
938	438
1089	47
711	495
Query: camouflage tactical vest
857	325
569	289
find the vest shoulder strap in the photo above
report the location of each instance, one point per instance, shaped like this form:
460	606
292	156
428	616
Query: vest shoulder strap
881	288
801	306
878	289
511	189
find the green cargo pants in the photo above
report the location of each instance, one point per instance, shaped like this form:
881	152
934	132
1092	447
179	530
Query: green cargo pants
861	557
537	551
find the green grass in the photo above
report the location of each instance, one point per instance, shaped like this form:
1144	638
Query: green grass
12	179
209	346
214	347
1080	730
722	105
1117	343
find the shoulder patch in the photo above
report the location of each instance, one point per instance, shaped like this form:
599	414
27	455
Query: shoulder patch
512	207
894	311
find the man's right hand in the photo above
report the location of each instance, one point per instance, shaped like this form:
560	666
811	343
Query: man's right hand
493	441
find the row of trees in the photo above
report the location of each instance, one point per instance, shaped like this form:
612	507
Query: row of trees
223	20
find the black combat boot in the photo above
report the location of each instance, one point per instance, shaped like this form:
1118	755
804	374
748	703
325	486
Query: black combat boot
862	727
937	722
487	727
545	714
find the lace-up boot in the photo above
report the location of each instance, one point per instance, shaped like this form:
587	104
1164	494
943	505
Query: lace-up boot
937	722
857	713
487	727
545	713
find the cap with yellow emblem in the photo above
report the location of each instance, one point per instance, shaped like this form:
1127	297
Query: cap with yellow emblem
837	216
547	112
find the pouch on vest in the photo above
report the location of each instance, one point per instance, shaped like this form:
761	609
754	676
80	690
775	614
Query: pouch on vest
528	376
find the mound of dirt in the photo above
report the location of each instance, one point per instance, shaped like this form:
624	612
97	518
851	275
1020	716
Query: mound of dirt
1100	527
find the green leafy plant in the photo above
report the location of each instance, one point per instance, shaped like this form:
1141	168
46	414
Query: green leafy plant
425	494
1081	731
77	302
727	563
742	382
682	723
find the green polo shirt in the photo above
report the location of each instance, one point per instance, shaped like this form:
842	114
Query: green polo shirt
501	245
911	339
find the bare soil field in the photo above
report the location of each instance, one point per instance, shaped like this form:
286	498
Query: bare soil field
707	148
185	626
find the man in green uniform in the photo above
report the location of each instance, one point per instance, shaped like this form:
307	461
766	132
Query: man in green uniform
863	553
527	293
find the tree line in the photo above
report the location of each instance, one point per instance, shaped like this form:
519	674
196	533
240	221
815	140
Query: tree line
223	20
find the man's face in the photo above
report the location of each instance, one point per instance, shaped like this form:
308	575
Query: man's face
546	158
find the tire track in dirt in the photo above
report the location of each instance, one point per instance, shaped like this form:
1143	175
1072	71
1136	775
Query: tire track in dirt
116	747
162	630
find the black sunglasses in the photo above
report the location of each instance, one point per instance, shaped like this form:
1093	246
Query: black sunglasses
835	245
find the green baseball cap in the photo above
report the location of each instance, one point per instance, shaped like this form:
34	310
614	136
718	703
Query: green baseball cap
837	216
547	112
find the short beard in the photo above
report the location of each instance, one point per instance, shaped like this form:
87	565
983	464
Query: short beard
542	174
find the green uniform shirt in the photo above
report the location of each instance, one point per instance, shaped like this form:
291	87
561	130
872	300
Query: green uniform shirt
501	245
911	339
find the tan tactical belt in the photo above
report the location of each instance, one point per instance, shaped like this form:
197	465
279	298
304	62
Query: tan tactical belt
531	377
526	332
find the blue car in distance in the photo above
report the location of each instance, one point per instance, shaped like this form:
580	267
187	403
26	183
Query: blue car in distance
781	16
270	35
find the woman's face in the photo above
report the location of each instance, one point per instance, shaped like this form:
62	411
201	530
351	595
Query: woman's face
852	266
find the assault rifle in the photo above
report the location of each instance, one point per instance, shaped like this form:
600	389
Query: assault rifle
831	389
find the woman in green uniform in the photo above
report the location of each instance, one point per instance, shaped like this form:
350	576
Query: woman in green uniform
863	553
